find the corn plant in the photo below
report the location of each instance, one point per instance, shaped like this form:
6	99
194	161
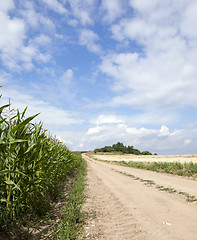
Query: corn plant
32	164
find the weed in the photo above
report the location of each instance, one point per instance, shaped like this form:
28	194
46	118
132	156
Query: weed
167	189
176	168
72	221
190	198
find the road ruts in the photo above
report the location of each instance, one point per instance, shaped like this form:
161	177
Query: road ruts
127	209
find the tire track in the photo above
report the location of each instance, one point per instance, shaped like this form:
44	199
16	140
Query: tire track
111	219
127	209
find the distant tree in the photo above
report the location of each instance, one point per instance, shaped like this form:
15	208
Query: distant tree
130	149
136	151
146	153
107	149
119	147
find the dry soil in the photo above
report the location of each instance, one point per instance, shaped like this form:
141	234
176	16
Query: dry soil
123	208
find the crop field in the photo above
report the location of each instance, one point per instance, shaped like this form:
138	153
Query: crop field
34	167
149	158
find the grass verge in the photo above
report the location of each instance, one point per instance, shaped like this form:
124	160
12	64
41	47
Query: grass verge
175	168
72	220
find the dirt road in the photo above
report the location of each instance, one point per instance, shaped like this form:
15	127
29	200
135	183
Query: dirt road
125	208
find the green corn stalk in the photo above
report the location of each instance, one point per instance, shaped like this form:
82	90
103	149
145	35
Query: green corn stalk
32	164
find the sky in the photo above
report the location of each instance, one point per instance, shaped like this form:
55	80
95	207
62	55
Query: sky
104	71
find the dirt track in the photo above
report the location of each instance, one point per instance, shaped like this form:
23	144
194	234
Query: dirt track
125	208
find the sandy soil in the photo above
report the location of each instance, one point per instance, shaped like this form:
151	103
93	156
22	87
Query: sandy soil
147	158
123	208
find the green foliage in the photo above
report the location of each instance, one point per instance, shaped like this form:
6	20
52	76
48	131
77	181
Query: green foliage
32	166
146	153
176	168
119	147
72	221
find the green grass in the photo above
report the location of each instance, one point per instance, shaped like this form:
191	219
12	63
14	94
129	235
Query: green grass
72	220
176	168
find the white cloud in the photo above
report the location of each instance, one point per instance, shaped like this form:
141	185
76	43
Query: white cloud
46	22
144	6
83	10
102	123
112	9
16	52
88	38
56	6
41	40
94	130
12	33
162	140
67	77
53	117
35	19
154	118
164	131
6	5
140	131
163	69
104	119
4	78
73	22
32	52
66	85
187	141
189	21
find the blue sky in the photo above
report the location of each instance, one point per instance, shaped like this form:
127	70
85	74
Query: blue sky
102	71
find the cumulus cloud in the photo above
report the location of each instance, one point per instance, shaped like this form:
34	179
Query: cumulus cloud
31	52
112	9
56	6
35	19
161	72
102	123
66	85
105	119
161	140
16	50
190	20
42	40
88	38
12	32
6	5
53	117
4	77
67	77
187	141
147	69
164	131
83	10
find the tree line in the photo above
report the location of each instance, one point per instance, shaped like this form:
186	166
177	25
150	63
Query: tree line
119	147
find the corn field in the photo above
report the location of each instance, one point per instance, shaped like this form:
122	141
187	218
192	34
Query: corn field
32	165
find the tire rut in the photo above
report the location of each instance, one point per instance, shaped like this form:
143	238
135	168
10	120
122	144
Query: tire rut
124	208
111	220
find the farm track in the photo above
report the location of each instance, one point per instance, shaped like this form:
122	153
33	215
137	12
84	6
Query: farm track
128	209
